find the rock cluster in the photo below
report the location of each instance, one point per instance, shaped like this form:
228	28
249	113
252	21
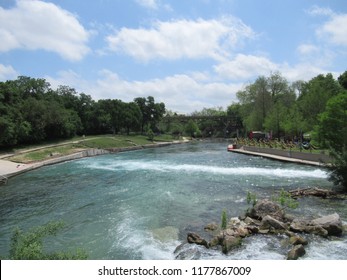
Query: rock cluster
267	217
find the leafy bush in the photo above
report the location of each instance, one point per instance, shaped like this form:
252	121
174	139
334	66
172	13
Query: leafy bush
29	245
285	200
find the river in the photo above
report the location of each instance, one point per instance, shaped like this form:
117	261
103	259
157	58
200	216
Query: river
141	204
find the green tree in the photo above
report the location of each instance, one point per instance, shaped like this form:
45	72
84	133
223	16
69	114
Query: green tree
132	117
256	102
192	129
314	97
332	133
211	125
151	112
343	80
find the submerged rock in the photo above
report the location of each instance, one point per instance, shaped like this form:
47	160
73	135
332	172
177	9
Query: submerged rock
165	234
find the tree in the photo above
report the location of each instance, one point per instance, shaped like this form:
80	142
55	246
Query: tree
151	112
192	128
332	133
343	80
132	117
256	101
314	97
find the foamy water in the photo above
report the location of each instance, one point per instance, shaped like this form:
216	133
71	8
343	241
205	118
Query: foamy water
192	168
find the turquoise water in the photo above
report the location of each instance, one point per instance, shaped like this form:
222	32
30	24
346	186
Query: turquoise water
141	204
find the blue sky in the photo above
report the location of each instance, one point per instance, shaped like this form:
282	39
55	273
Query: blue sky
188	54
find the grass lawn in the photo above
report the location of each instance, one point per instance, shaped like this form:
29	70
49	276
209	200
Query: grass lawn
66	147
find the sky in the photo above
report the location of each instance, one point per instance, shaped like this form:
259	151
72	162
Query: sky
189	54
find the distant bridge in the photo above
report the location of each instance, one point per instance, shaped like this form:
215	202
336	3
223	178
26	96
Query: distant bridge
229	121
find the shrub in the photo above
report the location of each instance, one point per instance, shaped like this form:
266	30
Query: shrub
29	245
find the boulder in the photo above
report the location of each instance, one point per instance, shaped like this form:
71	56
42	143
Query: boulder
215	241
250	221
332	223
317	230
230	242
234	222
297	240
186	251
269	222
211	227
252	229
266	207
197	239
296	252
299	225
242	232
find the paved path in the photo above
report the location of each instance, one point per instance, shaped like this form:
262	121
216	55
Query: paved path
8	167
287	159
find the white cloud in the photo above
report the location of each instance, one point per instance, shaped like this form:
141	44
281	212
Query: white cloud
151	4
301	71
180	93
244	67
335	30
307	49
7	72
320	11
154	5
36	25
181	39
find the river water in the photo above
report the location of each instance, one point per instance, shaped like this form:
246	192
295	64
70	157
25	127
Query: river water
141	204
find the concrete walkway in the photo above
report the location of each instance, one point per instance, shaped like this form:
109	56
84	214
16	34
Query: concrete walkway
276	157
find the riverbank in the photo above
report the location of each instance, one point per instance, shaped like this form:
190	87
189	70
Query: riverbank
283	155
9	168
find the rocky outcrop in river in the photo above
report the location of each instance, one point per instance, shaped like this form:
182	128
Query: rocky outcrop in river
267	217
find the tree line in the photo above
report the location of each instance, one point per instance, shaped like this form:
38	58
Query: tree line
32	112
287	109
317	108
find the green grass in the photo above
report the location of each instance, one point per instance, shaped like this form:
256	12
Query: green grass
66	147
43	154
